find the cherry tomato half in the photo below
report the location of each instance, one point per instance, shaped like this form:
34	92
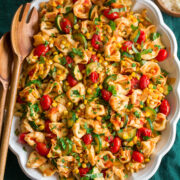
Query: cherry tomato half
94	76
144	82
66	25
81	67
110	15
162	55
47	129
69	60
165	107
19	100
41	50
144	132
109	138
42	149
142	37
137	156
83	171
94	58
21	138
127	45
45	102
115	145
87	138
106	95
31	73
134	85
96	41
72	82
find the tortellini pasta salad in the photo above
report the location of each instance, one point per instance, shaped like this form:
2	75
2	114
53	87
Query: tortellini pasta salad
92	96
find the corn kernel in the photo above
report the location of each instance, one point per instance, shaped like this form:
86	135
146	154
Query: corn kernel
150	86
125	136
147	114
123	63
89	91
76	26
41	127
101	86
49	155
61	55
69	103
83	71
147	160
100	61
88	35
95	85
81	160
54	104
54	4
133	74
130	143
85	101
84	165
50	62
99	55
90	48
135	139
99	118
65	112
156	96
76	171
119	45
55	53
141	106
63	42
161	90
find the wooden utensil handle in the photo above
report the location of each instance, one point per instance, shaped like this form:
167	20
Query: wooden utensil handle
8	120
2	103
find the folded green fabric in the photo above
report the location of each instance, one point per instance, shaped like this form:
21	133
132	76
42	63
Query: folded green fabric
170	165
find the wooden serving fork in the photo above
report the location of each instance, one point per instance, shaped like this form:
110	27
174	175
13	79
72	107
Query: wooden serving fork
24	26
6	57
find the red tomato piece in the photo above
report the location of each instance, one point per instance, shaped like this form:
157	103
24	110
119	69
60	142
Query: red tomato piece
47	129
137	156
109	138
69	60
96	41
104	173
94	58
87	138
162	55
165	107
81	67
144	82
74	1
42	149
110	15
115	145
72	82
142	37
19	100
144	132
21	138
106	95
83	171
94	76
66	25
127	45
31	72
45	102
134	85
41	50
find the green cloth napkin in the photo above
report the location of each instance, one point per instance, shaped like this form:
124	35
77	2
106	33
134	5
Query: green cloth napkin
170	165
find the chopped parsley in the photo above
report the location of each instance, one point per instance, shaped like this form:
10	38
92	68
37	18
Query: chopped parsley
112	25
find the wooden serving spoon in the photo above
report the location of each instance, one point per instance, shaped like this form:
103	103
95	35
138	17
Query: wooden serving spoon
6	56
24	26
